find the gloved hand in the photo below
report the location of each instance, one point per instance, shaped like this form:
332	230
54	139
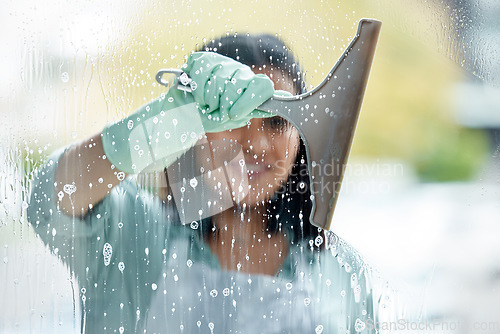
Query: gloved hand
162	130
264	114
227	91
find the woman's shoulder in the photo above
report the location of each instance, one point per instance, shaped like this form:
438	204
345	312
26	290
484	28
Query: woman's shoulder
337	277
346	255
329	251
335	264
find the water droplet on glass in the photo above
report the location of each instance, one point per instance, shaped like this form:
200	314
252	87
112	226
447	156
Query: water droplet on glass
193	85
359	325
120	176
194	225
69	188
64	77
107	251
318	241
184	79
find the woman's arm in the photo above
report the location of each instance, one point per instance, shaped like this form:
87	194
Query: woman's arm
84	176
161	131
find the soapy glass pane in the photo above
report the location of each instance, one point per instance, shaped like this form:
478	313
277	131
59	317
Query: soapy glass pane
71	68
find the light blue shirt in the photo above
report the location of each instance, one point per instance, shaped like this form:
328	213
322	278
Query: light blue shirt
140	270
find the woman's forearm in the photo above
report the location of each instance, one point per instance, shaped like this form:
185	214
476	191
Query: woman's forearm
84	176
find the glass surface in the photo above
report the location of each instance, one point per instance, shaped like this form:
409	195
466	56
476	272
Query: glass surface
415	227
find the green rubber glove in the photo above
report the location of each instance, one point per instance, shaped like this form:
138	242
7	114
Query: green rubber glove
227	91
155	135
159	132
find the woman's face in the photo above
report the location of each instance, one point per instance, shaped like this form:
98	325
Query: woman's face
269	147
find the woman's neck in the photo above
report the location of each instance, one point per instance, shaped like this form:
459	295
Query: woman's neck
241	242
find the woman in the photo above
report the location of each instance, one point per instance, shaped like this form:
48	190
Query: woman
256	265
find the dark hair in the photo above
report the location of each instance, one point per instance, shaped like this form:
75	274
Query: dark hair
259	50
289	209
